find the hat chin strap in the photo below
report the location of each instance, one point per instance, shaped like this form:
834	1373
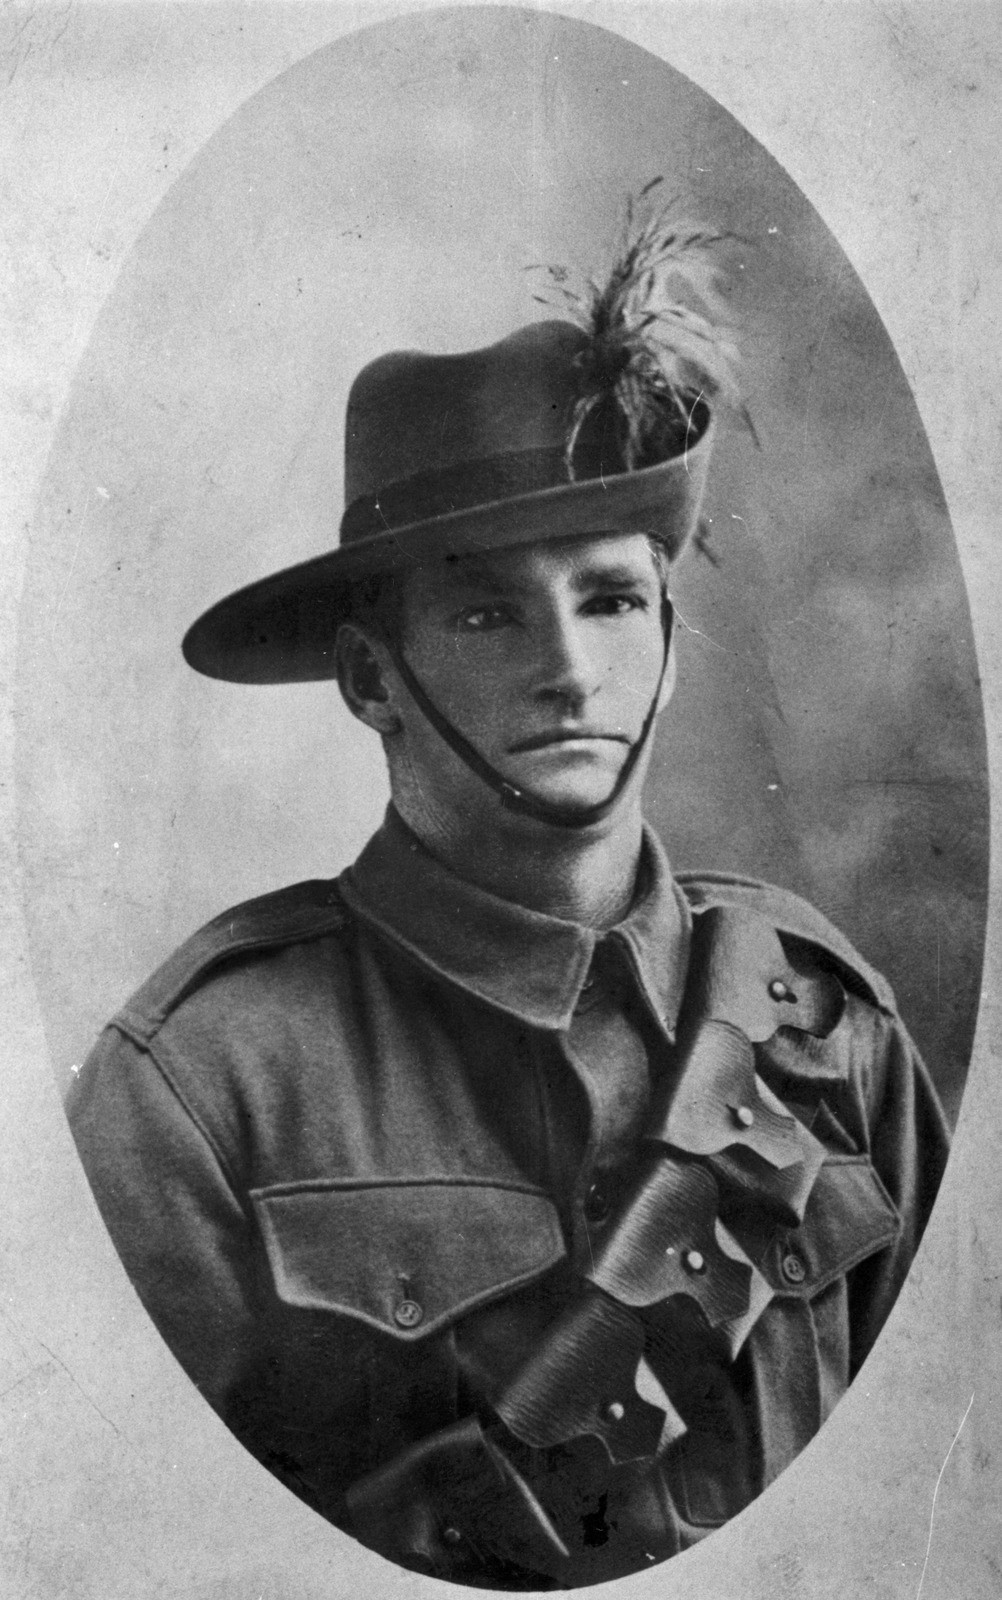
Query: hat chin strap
520	800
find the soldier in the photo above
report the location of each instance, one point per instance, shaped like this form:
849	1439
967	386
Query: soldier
525	1208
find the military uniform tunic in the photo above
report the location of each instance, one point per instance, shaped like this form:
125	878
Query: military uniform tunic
360	1142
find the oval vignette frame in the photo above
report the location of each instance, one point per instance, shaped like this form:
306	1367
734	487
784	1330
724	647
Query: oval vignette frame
78	607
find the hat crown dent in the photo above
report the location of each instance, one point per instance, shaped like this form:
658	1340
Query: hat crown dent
412	413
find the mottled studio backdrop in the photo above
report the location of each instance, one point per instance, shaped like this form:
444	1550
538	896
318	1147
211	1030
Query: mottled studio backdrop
388	192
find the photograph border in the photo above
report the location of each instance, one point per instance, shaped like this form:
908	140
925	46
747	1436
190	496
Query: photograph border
118	1479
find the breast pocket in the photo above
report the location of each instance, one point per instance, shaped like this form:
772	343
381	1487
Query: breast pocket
849	1216
745	1429
405	1257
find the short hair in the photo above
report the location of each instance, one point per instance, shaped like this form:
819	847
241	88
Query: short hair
376	602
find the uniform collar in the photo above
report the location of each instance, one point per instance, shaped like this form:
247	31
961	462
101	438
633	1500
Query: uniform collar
520	961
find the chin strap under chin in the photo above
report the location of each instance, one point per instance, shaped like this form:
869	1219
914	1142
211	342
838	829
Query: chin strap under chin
519	800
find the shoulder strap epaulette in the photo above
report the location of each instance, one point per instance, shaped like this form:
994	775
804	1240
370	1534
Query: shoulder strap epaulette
287	916
790	915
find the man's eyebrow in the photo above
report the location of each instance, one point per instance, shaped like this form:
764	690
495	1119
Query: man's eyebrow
475	574
472	572
619	576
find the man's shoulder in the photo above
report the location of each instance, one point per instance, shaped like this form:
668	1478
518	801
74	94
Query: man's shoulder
294	916
792	917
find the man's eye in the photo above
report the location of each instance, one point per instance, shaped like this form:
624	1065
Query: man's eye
615	605
482	619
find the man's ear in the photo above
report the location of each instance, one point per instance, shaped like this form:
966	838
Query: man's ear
668	682
364	678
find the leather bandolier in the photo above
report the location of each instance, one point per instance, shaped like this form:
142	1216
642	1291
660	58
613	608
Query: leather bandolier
715	1133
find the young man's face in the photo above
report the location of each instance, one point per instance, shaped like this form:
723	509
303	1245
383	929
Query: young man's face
546	657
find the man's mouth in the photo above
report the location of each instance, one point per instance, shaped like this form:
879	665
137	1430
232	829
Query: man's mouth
559	736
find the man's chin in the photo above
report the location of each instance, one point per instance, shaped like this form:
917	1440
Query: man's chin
569	792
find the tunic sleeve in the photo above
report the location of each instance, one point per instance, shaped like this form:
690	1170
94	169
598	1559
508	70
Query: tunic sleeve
909	1144
172	1211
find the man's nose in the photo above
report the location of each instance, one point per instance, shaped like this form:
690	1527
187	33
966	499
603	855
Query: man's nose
566	665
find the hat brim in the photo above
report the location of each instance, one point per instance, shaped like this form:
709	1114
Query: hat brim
283	628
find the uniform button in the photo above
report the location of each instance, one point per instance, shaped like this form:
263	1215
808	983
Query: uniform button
596	1204
452	1536
744	1116
693	1261
615	1411
779	991
407	1314
793	1268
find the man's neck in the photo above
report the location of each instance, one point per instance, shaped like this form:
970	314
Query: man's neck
587	876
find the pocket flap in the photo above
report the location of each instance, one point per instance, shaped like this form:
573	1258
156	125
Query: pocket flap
849	1216
406	1257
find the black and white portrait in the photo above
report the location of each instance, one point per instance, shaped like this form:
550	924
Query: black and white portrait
503	816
